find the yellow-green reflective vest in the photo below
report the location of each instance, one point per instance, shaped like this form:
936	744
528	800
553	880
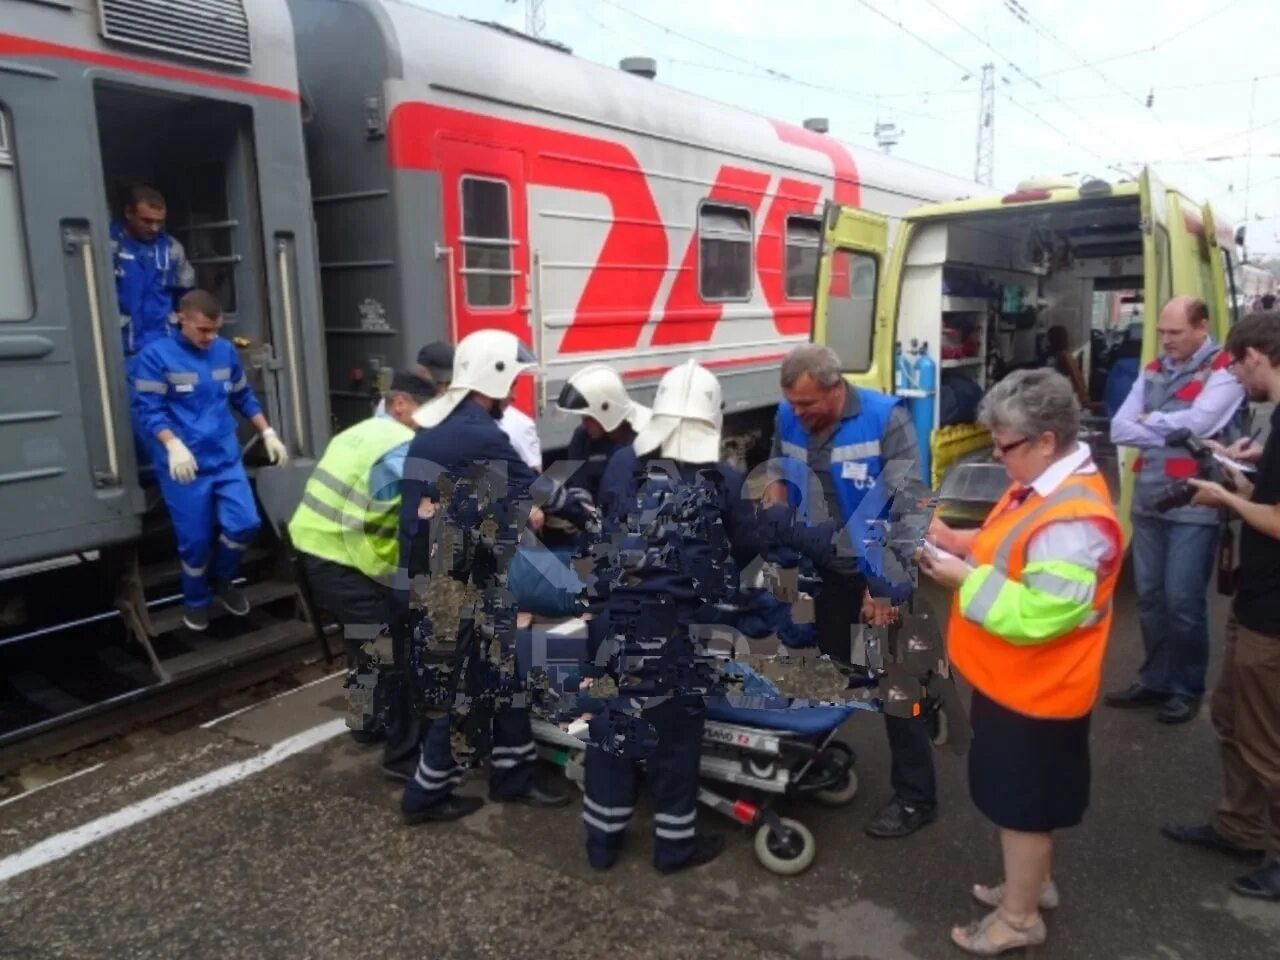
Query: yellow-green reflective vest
338	519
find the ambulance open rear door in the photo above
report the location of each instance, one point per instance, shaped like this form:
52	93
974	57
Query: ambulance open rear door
851	314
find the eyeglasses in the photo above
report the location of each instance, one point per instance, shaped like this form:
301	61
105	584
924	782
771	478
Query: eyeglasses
1006	448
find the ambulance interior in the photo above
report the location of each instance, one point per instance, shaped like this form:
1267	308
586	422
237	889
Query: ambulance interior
981	292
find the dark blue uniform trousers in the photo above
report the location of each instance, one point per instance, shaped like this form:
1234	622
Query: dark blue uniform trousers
510	763
610	789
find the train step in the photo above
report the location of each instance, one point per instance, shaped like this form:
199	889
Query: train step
259	594
209	654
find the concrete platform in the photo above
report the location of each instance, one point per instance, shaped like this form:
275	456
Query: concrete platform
307	858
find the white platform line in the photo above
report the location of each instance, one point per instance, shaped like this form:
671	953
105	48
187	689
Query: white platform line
64	844
51	783
235	713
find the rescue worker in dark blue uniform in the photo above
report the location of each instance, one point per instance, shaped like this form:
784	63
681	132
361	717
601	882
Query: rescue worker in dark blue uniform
610	420
459	429
184	389
152	275
684	434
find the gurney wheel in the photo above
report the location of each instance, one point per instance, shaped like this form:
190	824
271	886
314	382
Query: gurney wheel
839	796
788	854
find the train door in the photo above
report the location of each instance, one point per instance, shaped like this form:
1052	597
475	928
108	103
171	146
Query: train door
67	475
199	152
1217	284
487	234
853	310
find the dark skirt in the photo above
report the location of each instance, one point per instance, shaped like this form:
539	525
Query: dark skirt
1028	773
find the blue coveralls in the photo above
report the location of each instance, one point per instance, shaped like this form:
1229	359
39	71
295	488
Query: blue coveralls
178	386
678	721
594	456
150	280
469	434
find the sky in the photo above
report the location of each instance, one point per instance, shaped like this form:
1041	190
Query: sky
1072	80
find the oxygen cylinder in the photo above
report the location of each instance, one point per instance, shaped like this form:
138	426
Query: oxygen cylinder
921	405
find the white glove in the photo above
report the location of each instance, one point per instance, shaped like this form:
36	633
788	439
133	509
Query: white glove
277	452
182	465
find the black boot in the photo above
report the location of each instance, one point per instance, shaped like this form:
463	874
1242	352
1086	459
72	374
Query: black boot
1262	884
706	848
453	808
898	819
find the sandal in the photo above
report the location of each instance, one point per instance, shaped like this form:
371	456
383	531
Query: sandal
994	896
976	938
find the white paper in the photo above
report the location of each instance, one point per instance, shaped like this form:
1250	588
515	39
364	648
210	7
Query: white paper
1235	465
937	553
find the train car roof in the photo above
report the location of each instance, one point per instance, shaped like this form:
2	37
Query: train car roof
432	50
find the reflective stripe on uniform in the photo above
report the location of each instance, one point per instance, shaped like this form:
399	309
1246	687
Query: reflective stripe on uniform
182	378
221	373
387	527
688	833
601	825
150	386
1062	587
794	450
980	605
855	451
676	819
241	384
345	491
604	811
231	544
194	571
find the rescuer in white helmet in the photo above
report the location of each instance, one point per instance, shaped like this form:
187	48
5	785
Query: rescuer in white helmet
610	419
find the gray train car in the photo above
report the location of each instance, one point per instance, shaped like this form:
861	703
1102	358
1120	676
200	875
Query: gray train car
199	98
469	177
95	94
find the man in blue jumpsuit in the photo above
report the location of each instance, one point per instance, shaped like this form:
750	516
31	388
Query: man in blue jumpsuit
183	390
152	275
460	428
610	420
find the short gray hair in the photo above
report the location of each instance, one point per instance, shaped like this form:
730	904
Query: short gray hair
819	362
1032	402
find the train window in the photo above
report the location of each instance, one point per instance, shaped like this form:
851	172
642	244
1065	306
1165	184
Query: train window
15	280
851	308
487	245
1233	298
724	252
804	236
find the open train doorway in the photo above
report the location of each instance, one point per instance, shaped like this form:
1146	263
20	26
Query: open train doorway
199	153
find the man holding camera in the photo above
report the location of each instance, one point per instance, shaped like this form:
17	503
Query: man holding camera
1245	706
1188	388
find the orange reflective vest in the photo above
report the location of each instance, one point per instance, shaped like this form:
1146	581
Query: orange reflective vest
1058	678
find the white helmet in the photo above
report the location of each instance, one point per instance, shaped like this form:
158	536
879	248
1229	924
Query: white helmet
486	362
597	391
688	414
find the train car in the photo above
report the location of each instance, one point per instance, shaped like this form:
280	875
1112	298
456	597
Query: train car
971	289
466	177
200	99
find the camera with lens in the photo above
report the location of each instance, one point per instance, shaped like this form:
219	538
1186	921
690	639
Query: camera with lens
1180	492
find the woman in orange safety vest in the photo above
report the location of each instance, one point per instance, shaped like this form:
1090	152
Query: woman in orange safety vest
1028	630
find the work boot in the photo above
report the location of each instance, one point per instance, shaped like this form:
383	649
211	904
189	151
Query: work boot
1178	709
451	808
233	600
196	618
706	848
1135	695
1204	835
898	819
535	796
1262	884
402	769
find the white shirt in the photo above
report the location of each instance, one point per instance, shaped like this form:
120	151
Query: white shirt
523	433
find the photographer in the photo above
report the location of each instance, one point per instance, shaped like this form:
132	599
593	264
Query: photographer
1245	706
1188	388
